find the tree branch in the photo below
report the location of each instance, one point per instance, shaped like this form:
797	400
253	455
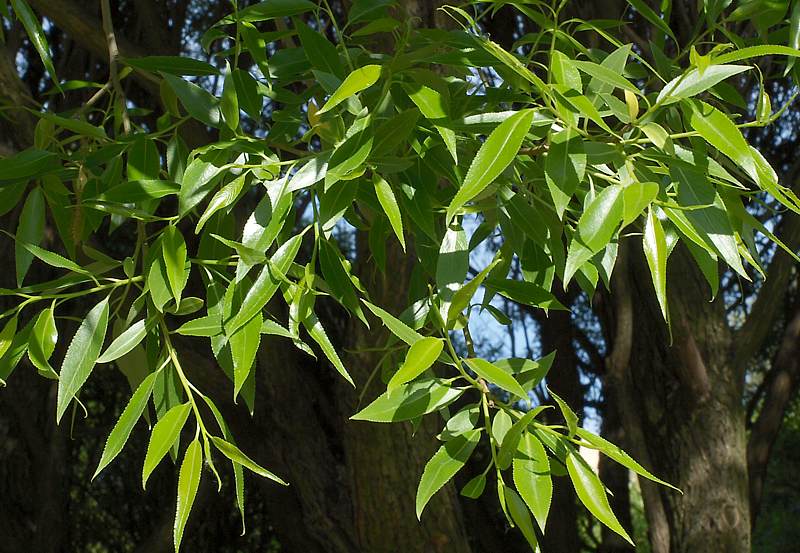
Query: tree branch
750	337
86	30
783	381
618	376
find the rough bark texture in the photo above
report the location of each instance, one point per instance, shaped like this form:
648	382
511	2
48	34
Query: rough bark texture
688	401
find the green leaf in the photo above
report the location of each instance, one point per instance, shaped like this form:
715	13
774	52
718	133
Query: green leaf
463	295
654	243
30	230
524	292
42	343
266	284
188	482
694	81
210	325
495	154
654	18
564	71
420	357
521	516
55	260
317	332
564	167
224	197
360	79
173	65
636	196
395	325
756	52
135	191
127	420
268	218
719	131
27	164
173	248
7	335
409	401
601	218
247	93
81	128
320	52
389	204
36	35
81	355
198	103
474	488
125	342
592	493
198	179
14	352
614	452
508	445
452	265
606	75
229	104
270	9
712	221
531	471
444	464
497	376
569	415
234	454
164	434
244	342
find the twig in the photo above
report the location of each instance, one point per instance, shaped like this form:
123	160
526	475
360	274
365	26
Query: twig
113	54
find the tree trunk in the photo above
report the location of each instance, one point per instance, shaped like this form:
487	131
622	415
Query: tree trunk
687	399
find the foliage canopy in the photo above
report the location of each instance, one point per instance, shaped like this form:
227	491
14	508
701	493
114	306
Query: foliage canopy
429	140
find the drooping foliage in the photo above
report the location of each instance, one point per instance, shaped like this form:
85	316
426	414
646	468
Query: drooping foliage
426	139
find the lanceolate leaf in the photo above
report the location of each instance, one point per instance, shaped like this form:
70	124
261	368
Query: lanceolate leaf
521	516
188	482
173	248
494	155
164	434
81	355
234	454
266	284
198	103
409	401
420	357
531	470
694	82
445	463
355	82
655	251
395	325
127	420
125	342
617	454
30	230
317	332
36	35
592	493
496	375
389	204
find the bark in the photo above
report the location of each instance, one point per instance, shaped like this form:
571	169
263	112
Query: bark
561	532
686	398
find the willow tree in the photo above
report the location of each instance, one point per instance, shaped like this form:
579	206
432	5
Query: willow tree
422	140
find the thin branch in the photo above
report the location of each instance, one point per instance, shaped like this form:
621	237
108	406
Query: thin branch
113	55
783	381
